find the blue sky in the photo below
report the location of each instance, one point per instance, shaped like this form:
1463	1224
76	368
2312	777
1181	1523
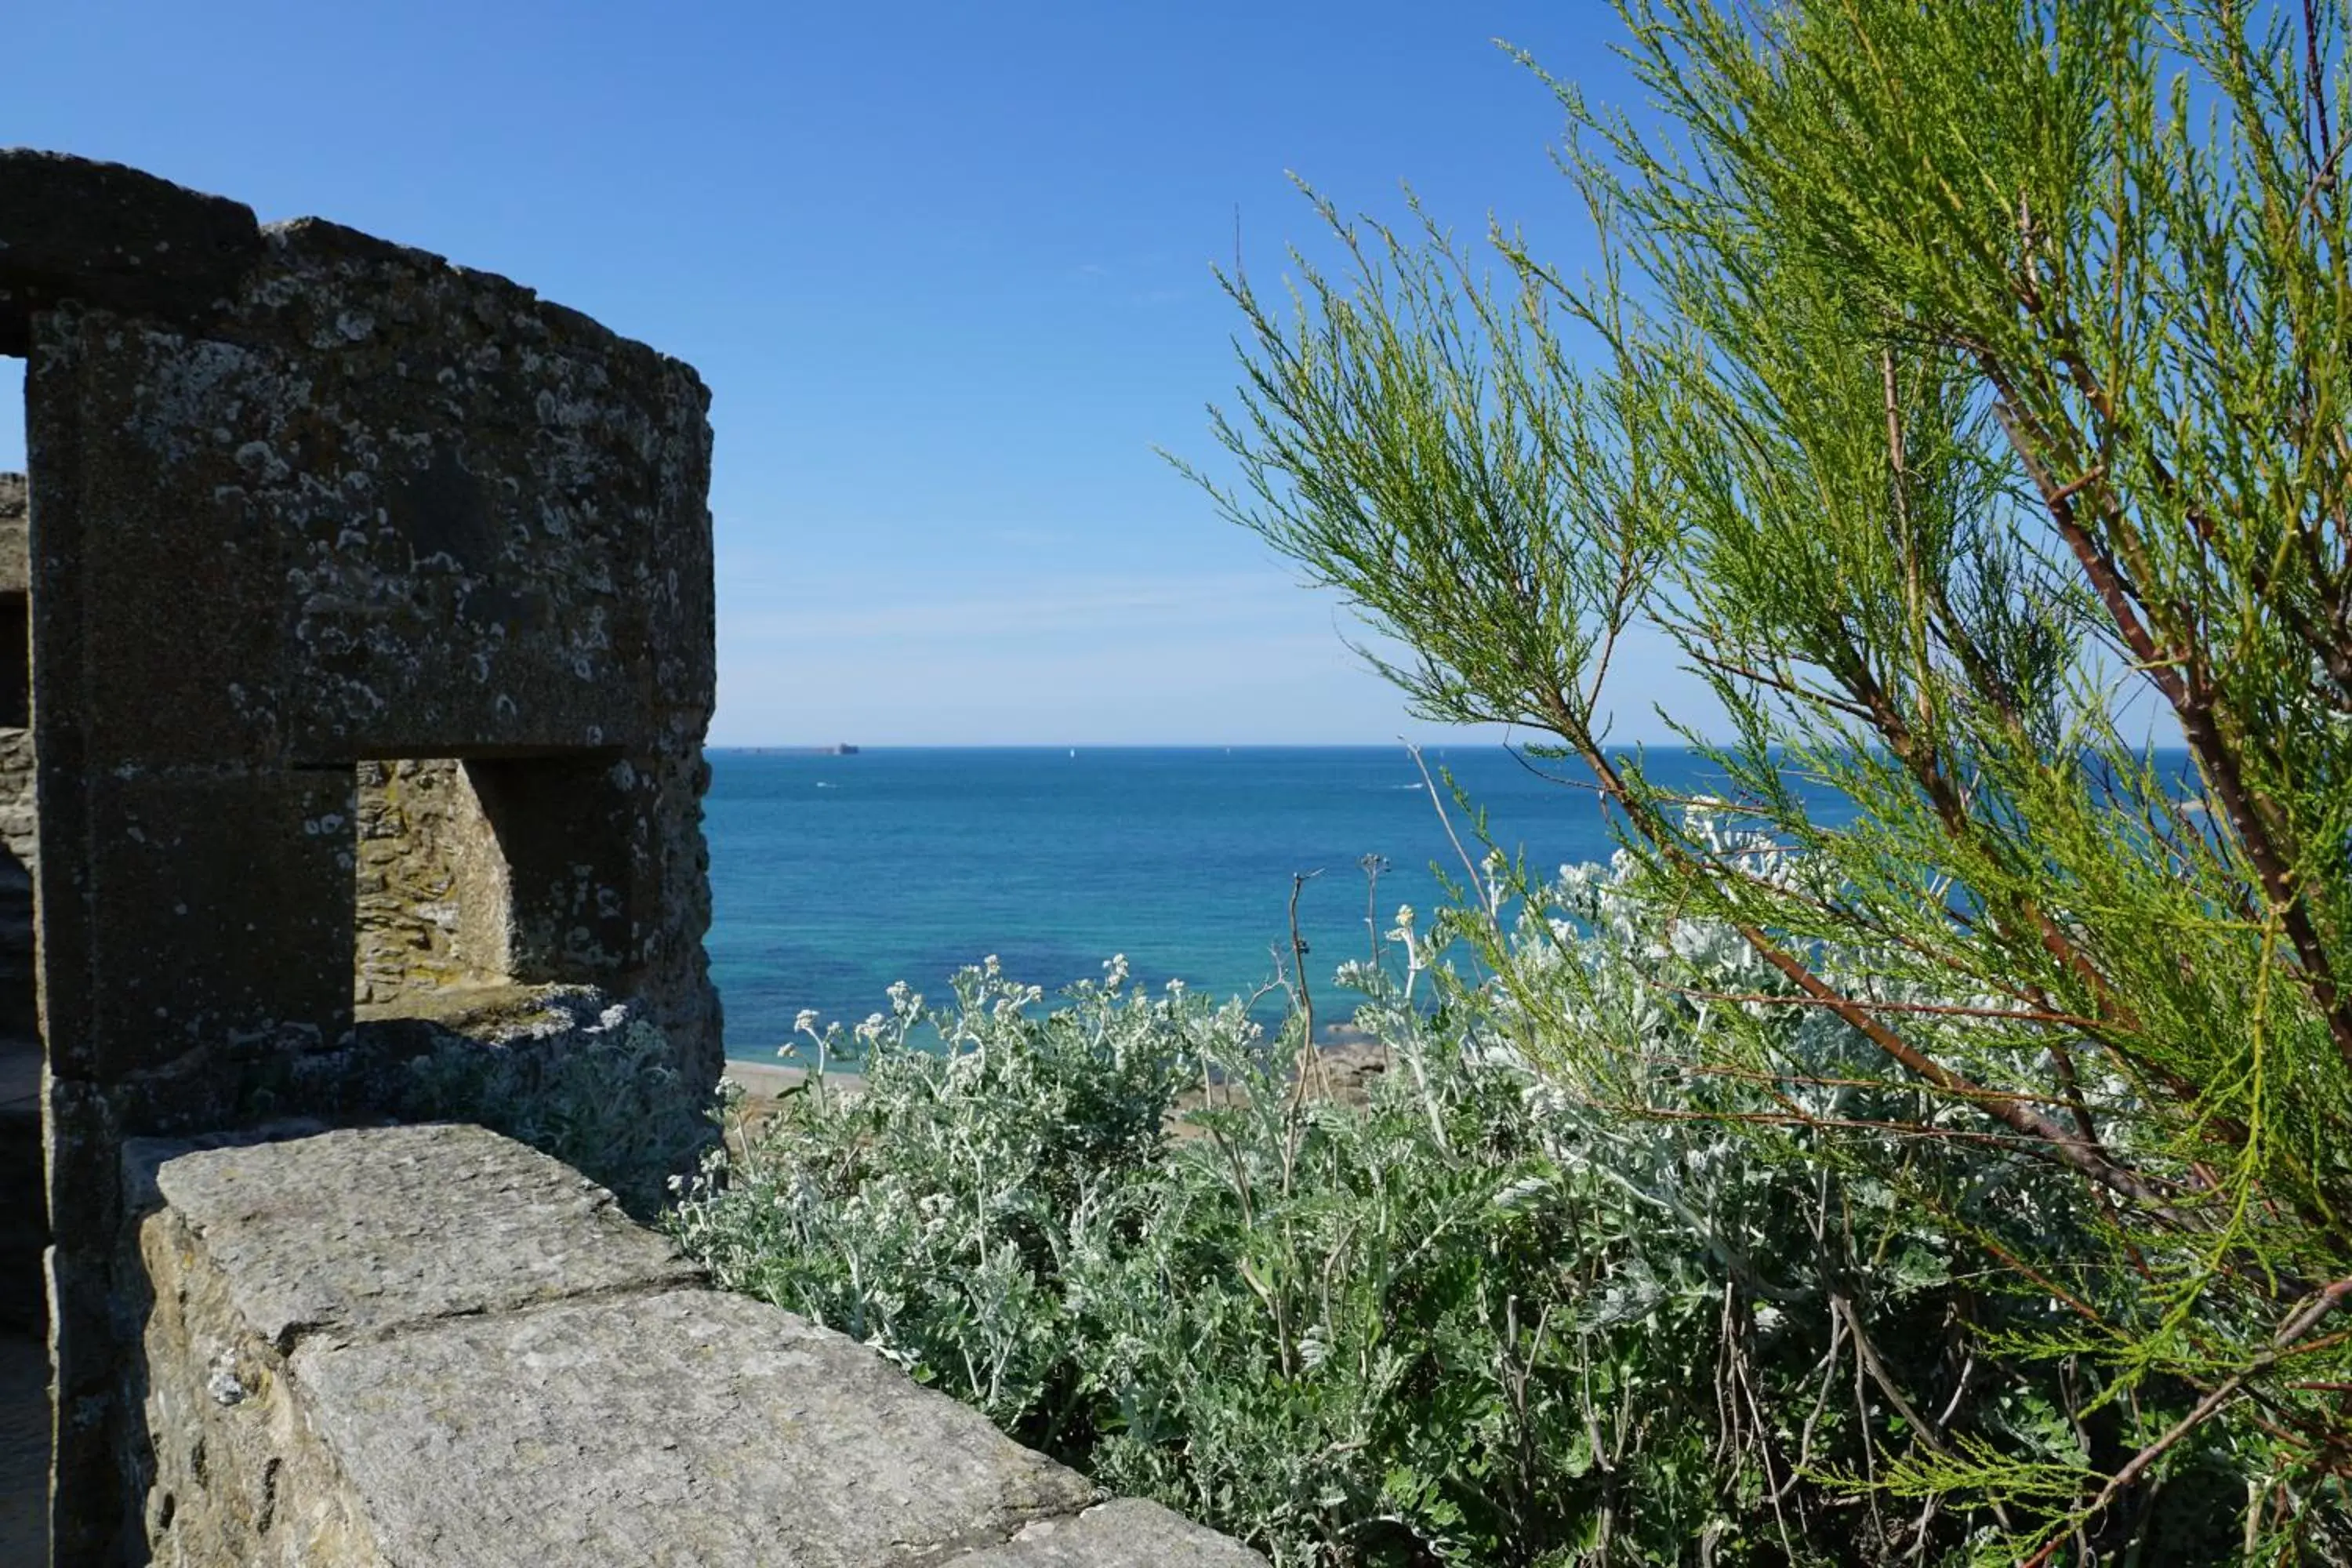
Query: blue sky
945	266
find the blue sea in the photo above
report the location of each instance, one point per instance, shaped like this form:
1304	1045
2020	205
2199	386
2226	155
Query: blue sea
834	876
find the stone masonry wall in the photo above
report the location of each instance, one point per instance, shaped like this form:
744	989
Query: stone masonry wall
17	831
430	1345
433	892
24	1211
300	501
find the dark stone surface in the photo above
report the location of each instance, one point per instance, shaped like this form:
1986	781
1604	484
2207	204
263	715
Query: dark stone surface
23	1211
23	1450
316	556
218	912
71	229
302	499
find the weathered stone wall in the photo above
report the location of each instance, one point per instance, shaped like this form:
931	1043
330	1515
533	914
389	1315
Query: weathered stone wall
300	502
381	507
23	1211
429	1344
19	830
433	902
19	823
15	632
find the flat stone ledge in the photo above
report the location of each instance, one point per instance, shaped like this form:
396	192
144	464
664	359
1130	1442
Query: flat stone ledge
353	1234
686	1428
1125	1533
432	1346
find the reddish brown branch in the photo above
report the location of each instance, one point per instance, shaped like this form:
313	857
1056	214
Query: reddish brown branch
2192	698
2302	1322
2068	1147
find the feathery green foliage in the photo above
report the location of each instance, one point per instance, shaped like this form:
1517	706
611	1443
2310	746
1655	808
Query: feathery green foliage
1968	396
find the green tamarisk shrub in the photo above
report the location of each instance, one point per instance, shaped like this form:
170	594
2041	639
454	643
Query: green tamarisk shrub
1965	392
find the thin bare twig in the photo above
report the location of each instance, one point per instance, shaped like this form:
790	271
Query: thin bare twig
1429	784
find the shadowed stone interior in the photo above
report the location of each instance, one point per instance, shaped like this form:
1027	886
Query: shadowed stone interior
23	1211
434	892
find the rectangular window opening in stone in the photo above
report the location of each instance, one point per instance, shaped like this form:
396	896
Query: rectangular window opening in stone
434	896
477	880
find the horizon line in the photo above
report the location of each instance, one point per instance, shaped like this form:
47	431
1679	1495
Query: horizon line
833	747
827	746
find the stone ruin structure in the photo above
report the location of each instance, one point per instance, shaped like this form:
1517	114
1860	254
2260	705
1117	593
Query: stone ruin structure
370	656
356	653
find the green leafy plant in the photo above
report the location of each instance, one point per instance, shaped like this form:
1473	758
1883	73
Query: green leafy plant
1964	394
1471	1319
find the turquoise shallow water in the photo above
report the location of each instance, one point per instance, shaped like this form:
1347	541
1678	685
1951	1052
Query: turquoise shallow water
832	876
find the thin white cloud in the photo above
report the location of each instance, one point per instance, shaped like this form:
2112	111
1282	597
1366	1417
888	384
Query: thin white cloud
900	612
951	654
1283	685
